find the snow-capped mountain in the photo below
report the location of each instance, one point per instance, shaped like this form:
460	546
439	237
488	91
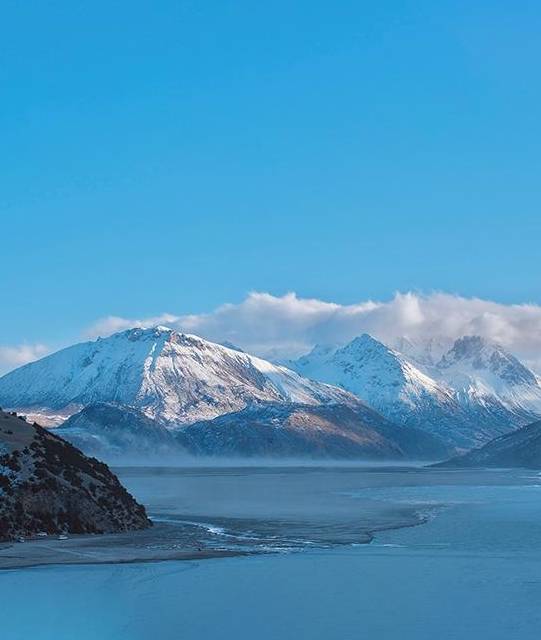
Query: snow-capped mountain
483	372
464	394
487	380
128	393
405	393
173	377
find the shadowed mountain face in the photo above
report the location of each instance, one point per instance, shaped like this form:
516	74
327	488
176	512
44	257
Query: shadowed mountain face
522	448
110	431
294	430
268	429
48	485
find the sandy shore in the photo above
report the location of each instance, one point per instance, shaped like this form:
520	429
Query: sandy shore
156	544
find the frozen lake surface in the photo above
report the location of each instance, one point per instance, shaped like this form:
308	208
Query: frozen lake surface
471	571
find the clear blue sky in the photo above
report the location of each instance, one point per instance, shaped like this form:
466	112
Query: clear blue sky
172	156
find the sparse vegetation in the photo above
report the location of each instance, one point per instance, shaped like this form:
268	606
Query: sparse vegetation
46	484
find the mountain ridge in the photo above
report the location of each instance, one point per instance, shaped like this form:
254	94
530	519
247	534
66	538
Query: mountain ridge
472	393
425	389
116	433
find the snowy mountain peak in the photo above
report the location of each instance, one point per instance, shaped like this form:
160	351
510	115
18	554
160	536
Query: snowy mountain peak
366	357
141	333
174	377
478	354
353	360
363	344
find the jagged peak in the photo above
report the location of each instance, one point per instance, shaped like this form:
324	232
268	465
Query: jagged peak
365	341
483	354
366	346
137	333
471	346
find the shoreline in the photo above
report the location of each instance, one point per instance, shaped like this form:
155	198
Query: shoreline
193	537
142	547
112	548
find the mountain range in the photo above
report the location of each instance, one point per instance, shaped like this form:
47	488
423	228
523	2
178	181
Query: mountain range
466	392
160	391
270	429
156	392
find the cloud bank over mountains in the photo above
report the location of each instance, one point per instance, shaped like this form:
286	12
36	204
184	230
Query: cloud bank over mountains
280	327
287	326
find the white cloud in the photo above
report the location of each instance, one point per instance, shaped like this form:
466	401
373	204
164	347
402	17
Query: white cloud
280	327
286	326
15	356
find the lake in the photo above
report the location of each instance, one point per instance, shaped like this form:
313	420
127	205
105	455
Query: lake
464	564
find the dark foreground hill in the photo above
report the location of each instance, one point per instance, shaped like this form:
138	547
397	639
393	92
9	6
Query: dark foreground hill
47	485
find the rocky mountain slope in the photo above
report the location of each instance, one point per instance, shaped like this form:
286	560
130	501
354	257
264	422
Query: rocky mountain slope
169	376
47	485
521	448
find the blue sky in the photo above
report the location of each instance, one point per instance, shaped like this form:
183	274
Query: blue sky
175	156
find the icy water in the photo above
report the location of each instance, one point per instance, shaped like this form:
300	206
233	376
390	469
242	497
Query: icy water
471	571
